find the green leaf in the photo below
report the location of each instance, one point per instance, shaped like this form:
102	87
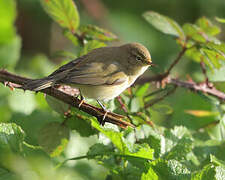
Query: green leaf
181	150
5	174
8	15
99	149
22	102
164	24
207	173
194	32
218	75
71	37
141	151
11	137
10	53
216	161
53	137
135	104
90	46
142	90
95	33
207	26
64	54
64	12
220	173
221	20
80	123
115	137
171	169
57	105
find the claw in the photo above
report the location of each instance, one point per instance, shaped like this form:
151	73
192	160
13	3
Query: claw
81	102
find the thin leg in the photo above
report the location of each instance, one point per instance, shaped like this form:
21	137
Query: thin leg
102	122
81	98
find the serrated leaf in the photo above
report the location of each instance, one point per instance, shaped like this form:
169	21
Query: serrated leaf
90	45
64	12
207	173
53	138
180	151
194	32
207	26
11	137
57	105
213	56
164	24
115	137
96	33
171	169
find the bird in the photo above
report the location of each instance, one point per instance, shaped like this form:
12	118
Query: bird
102	74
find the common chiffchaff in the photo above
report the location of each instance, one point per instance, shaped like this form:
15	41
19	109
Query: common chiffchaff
102	74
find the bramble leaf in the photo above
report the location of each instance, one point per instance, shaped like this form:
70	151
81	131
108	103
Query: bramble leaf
94	32
64	12
164	24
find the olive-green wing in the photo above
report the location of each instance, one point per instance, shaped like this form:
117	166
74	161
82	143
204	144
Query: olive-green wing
96	73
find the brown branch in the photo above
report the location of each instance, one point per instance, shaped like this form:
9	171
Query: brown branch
176	60
15	81
202	87
202	64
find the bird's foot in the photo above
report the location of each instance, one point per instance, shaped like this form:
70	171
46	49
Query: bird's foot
81	100
106	111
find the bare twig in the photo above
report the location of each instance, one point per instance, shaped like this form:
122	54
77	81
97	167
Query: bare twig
205	75
202	87
176	60
16	81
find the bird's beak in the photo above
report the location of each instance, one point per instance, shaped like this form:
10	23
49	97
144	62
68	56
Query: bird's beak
150	62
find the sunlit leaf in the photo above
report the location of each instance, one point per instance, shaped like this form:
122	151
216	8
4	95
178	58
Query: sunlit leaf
97	33
142	90
171	169
64	12
201	113
221	20
7	14
164	24
11	137
90	46
194	32
207	26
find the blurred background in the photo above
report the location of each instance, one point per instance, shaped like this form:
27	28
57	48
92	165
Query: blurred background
29	40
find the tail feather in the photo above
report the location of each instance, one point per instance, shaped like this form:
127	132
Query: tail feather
39	84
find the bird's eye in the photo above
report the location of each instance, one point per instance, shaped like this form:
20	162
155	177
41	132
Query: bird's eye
138	58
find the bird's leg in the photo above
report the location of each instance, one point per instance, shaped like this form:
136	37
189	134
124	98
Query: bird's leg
102	121
81	98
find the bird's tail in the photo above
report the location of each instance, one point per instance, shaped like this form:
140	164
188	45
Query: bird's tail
39	84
